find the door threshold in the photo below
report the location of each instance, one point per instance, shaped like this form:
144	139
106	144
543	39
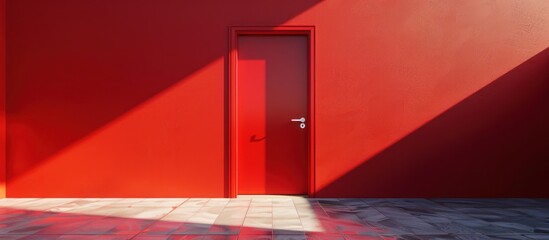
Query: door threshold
246	196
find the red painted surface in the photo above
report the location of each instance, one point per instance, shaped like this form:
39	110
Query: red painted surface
430	99
123	98
271	90
2	98
493	143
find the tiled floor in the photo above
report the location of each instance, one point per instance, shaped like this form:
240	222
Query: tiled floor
276	217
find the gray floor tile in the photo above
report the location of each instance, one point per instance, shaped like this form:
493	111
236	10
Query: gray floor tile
274	217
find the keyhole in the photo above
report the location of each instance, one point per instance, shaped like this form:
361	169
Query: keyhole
302	125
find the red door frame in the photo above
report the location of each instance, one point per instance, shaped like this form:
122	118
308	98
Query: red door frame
234	33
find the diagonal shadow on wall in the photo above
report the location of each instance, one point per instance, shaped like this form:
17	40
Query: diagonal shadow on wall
492	143
75	66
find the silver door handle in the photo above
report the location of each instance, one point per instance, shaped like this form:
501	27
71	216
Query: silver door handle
298	119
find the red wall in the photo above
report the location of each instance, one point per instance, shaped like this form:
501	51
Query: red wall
414	99
2	98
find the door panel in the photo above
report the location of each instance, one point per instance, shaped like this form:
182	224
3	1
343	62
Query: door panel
272	90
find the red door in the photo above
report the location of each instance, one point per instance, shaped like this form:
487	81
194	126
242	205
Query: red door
272	114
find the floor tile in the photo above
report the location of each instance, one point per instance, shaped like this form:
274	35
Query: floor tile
273	217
